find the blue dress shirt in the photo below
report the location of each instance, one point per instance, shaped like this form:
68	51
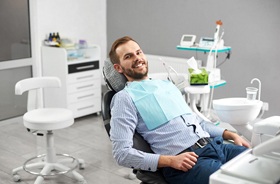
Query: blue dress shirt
168	139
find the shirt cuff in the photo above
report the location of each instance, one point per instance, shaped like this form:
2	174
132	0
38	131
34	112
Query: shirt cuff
218	131
151	162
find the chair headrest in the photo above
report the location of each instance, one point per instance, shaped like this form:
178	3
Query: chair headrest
114	79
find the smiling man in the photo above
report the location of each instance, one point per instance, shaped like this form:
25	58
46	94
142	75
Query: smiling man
187	148
134	63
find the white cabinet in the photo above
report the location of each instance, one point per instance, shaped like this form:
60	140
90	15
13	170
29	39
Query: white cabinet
79	72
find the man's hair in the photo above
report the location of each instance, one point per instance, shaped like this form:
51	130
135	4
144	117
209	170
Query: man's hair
112	54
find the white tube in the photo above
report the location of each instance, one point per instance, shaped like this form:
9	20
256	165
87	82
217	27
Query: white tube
260	86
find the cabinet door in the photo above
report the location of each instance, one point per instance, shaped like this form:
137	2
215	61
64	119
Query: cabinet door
83	76
86	107
82	96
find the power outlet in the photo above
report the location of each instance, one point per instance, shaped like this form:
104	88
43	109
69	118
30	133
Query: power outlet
265	106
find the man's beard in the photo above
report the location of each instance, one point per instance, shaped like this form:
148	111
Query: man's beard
135	75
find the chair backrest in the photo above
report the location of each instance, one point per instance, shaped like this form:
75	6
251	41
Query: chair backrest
33	85
105	109
113	79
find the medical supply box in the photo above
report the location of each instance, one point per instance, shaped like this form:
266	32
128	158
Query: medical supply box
198	78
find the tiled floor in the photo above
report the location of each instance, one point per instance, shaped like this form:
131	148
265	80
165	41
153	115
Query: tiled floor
86	139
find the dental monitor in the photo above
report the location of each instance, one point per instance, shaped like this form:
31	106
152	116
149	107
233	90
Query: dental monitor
187	40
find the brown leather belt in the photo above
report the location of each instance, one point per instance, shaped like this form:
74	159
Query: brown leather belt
202	142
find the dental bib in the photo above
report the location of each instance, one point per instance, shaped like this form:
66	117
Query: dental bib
157	101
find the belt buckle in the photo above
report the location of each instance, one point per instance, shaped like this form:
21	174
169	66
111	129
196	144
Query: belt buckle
199	145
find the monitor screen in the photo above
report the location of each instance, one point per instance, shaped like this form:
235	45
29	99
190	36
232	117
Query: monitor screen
15	40
188	38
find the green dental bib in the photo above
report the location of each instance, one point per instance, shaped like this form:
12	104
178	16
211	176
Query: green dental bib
157	101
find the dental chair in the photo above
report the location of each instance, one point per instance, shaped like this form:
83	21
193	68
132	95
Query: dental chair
116	82
43	121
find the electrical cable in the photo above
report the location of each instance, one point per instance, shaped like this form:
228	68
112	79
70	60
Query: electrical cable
222	62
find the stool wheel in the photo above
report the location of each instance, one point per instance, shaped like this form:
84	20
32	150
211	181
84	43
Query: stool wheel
16	177
82	182
82	166
131	176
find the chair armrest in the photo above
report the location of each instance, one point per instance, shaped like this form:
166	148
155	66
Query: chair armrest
151	177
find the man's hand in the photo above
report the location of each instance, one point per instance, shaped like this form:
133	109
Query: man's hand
184	161
236	138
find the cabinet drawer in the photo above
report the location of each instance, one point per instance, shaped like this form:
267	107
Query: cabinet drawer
83	76
85	95
80	67
84	86
86	107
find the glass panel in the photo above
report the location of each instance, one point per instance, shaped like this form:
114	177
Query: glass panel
14	30
12	105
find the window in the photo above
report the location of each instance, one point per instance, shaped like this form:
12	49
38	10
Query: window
15	30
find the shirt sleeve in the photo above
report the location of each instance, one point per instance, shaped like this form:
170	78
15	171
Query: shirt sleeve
123	124
211	128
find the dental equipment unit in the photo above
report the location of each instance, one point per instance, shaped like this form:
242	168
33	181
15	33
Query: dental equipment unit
244	115
261	164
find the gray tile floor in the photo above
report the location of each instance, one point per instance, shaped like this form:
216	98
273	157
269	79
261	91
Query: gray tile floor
86	139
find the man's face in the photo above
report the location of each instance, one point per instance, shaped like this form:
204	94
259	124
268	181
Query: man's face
133	62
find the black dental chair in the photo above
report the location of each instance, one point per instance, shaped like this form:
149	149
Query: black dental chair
116	82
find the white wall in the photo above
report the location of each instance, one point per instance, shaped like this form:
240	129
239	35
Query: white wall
73	19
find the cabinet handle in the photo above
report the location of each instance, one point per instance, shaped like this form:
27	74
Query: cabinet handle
85	67
84	77
85	96
81	87
82	108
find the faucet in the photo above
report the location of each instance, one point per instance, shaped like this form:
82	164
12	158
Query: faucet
258	80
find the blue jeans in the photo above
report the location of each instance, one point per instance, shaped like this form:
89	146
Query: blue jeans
210	159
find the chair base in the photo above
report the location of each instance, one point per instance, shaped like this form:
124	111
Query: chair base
51	169
26	166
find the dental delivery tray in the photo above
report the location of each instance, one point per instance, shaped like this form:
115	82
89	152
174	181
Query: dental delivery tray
258	169
198	78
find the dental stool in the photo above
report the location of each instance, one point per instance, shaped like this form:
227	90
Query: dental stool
42	122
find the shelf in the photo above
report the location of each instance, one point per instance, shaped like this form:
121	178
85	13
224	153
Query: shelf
75	48
217	84
74	60
81	54
203	49
202	88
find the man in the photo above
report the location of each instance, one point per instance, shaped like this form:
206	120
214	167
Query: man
156	109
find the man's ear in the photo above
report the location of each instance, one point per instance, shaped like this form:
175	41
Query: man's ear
118	68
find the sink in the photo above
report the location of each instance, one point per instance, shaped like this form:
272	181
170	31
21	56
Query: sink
237	111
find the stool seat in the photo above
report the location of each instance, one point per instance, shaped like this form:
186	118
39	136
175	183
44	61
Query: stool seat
48	119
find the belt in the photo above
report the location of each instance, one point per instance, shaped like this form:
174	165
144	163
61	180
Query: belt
202	142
